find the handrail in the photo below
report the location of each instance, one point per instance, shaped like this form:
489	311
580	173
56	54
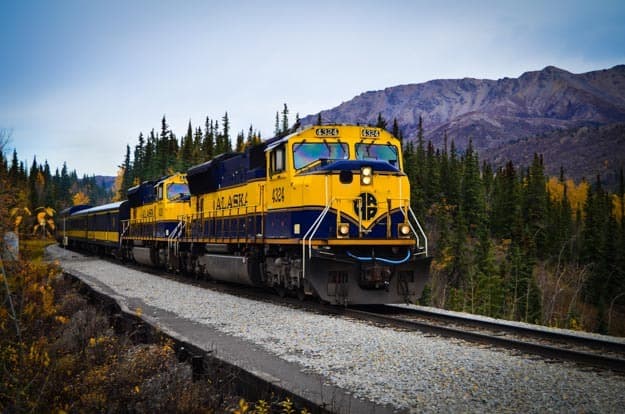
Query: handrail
425	238
125	228
310	234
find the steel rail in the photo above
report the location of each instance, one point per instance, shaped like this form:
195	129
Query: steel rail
551	351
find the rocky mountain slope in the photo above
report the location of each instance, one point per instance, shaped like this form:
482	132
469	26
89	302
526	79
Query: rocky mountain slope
533	108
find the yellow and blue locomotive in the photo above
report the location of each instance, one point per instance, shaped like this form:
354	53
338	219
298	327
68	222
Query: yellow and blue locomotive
322	212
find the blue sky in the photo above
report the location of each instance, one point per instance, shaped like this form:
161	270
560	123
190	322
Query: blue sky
80	79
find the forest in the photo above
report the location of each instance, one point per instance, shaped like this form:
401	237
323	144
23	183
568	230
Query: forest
507	241
35	195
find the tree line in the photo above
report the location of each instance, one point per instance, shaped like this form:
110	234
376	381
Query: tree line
161	153
27	190
510	242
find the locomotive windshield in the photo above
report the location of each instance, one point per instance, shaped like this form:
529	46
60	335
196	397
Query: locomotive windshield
305	153
379	152
178	192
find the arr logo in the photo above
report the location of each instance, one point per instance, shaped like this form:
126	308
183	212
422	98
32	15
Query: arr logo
366	206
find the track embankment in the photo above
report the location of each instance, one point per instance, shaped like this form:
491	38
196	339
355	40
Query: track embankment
348	365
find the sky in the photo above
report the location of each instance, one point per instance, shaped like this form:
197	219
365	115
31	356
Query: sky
79	80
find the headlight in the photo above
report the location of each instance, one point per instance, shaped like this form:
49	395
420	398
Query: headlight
366	175
403	230
343	230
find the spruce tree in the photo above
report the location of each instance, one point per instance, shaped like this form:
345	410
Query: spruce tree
432	174
128	177
595	233
285	120
226	142
150	159
395	130
240	142
208	145
381	122
197	147
138	159
505	215
14	171
186	153
472	202
535	208
276	130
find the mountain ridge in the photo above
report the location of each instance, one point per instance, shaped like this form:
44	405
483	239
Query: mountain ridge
493	113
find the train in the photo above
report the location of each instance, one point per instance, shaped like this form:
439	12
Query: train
322	212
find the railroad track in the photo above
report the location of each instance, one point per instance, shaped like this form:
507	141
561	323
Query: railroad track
587	350
555	345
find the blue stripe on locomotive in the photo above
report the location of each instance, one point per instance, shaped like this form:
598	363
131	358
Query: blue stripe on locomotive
281	225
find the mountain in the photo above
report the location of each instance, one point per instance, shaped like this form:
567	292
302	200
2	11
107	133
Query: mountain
537	107
582	152
105	181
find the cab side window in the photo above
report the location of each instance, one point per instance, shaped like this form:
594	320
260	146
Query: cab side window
277	160
159	192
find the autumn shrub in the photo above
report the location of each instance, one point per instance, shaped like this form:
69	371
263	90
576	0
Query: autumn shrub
59	353
27	322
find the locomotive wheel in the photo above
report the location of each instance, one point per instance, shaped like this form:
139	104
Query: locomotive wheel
301	295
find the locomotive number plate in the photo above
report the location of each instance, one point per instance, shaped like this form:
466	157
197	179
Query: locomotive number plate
327	132
369	133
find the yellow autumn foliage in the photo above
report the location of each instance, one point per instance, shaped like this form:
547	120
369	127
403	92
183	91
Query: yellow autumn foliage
80	198
576	193
119	179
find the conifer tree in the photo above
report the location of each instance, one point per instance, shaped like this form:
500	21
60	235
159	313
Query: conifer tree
14	171
197	147
454	176
150	159
381	122
186	154
297	123
226	143
285	120
33	178
432	175
250	136
139	159
276	130
535	207
240	147
596	227
208	145
128	176
506	203
472	202
395	130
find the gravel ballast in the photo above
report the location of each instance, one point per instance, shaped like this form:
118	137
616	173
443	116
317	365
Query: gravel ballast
408	370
